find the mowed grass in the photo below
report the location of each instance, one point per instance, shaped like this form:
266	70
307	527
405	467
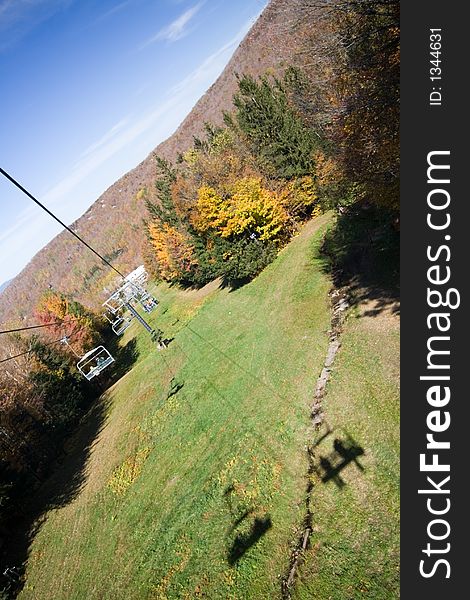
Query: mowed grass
354	549
195	484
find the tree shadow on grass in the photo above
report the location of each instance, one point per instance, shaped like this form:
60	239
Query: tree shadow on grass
225	282
234	284
65	475
68	477
362	253
124	359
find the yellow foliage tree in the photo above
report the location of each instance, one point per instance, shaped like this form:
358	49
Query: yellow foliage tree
248	208
210	209
299	197
54	305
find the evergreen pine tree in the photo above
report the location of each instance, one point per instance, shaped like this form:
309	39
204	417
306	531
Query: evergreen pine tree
274	131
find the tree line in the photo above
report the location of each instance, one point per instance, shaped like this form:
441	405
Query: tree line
324	135
42	397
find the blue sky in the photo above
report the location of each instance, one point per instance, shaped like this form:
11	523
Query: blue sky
88	89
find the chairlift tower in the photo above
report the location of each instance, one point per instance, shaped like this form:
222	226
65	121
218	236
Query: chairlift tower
156	334
123	297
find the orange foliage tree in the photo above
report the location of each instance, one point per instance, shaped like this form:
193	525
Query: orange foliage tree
68	318
173	251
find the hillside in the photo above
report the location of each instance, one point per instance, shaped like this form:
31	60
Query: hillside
113	222
211	500
4	285
197	502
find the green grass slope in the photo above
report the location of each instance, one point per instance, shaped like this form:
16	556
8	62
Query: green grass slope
354	549
194	486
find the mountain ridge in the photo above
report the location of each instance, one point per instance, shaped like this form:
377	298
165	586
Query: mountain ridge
113	223
5	284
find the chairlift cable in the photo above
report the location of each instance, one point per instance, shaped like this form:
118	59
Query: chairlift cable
231	360
34	327
226	400
29	351
50	213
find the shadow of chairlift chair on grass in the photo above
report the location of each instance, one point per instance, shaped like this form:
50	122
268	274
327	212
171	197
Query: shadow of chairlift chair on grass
345	451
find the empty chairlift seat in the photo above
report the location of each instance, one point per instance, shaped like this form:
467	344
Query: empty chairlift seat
94	361
128	292
120	325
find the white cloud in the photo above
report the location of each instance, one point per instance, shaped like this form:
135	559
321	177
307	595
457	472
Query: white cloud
177	29
113	10
21	219
212	63
127	131
12	11
30	232
105	138
19	17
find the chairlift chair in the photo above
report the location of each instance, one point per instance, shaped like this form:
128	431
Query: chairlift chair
114	304
109	316
119	322
128	292
120	325
148	302
94	361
